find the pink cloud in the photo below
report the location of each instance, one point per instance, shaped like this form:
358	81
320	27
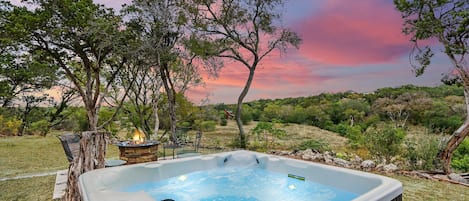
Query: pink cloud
353	33
275	77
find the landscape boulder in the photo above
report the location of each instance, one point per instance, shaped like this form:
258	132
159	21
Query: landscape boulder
390	168
458	178
284	153
341	162
368	165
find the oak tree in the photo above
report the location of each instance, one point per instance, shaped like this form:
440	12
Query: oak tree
245	31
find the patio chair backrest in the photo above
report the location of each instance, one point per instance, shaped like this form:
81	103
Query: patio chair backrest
71	144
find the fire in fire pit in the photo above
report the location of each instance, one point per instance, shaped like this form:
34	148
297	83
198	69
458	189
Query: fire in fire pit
138	150
139	136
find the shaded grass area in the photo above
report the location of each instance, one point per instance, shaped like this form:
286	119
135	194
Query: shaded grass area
31	189
30	154
427	190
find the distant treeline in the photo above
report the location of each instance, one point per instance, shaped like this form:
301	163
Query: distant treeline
441	109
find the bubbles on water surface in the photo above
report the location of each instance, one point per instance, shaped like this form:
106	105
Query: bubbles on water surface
239	183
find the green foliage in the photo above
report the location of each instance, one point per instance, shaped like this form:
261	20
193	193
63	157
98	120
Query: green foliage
384	142
40	127
422	154
246	115
267	132
223	122
446	21
341	129
355	136
317	145
9	126
207	126
460	160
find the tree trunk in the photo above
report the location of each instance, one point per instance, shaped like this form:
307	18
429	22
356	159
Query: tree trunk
90	157
169	88
457	137
156	93
239	108
92	118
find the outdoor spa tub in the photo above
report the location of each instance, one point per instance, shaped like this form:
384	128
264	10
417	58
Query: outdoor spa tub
235	176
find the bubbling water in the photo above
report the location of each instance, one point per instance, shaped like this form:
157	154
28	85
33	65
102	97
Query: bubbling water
236	182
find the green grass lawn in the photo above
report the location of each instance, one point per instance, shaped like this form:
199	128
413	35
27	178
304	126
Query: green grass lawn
427	190
31	154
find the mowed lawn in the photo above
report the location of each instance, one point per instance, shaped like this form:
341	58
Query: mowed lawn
30	154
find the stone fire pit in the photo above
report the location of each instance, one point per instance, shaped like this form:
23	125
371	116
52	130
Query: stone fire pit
138	152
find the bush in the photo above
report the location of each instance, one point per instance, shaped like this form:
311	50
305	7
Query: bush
355	136
384	142
422	154
9	126
317	145
341	129
257	146
40	127
246	117
223	122
460	160
185	124
207	126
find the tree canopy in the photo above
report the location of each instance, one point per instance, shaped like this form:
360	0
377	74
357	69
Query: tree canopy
245	31
447	21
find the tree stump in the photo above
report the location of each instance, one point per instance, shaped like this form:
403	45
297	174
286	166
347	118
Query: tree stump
90	157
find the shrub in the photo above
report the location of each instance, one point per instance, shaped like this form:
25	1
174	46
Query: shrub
460	158
246	117
223	122
207	126
185	124
40	127
384	142
267	132
9	126
424	154
355	136
341	129
257	146
317	145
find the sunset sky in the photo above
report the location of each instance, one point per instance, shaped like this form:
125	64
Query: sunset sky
347	45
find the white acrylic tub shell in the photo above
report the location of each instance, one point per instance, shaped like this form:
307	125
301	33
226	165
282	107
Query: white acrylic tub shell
103	184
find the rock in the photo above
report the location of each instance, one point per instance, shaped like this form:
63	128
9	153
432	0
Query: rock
356	159
284	153
368	164
341	162
390	168
440	177
328	159
307	152
380	167
306	157
317	157
458	178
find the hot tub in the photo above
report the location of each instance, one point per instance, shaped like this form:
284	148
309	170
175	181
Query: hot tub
135	182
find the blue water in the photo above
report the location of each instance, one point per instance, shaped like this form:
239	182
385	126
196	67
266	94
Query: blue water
239	184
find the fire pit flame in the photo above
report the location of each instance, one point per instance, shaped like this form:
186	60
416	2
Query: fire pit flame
139	136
